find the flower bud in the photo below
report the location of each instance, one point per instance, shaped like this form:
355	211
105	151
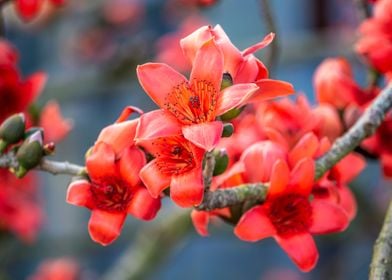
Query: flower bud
227	81
29	154
221	161
12	130
33	130
232	114
228	130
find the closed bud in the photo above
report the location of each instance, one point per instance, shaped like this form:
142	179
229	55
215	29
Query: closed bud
221	161
12	130
29	154
232	114
227	81
228	130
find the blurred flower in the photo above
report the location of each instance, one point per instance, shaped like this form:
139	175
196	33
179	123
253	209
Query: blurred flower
115	189
194	105
20	208
57	269
29	9
289	216
123	12
375	43
54	125
16	94
243	66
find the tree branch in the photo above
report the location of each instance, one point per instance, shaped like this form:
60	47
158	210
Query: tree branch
366	125
8	160
208	171
268	18
381	265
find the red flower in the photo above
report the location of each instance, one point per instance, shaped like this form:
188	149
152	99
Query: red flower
289	216
243	66
196	103
16	94
20	209
115	189
375	43
334	83
178	164
57	269
54	125
29	9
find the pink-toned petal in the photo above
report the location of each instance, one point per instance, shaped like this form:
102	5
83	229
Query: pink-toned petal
307	146
259	159
34	85
235	96
119	135
254	225
200	220
301	249
154	180
302	177
327	217
187	189
208	65
101	162
260	45
143	206
127	111
104	227
158	123
277	137
130	164
204	135
269	89
79	194
279	178
158	80
347	201
191	43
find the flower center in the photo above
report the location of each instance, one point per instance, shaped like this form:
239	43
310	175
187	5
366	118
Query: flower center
290	214
192	104
175	156
112	195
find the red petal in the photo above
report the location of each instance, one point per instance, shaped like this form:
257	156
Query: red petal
348	168
302	177
104	227
187	189
254	225
28	9
327	218
130	164
269	89
119	136
200	220
204	135
101	162
158	123
301	249
79	194
307	146
158	80
265	42
347	201
234	97
208	65
386	162
34	85
127	111
154	180
143	206
279	178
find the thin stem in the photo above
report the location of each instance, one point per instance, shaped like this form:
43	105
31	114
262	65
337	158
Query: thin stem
208	170
269	20
381	265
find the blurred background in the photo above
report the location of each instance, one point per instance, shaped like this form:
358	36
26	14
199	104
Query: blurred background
90	50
